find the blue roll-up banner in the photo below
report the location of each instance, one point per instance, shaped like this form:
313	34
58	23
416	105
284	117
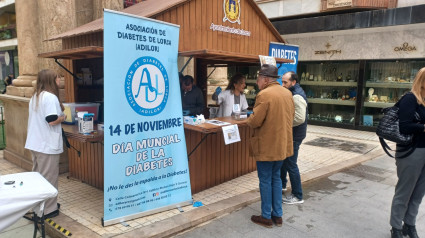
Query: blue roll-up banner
280	50
145	158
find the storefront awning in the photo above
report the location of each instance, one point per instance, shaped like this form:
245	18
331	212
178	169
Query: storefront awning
77	53
227	56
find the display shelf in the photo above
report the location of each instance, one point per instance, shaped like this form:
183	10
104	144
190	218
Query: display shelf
388	85
250	96
329	83
330	120
378	104
332	101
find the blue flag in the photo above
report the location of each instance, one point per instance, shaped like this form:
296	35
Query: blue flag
291	52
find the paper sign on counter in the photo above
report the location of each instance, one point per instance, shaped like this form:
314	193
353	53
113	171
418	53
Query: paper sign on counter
231	134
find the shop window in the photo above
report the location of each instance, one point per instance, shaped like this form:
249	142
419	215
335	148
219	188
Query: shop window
7	26
331	89
7	64
386	82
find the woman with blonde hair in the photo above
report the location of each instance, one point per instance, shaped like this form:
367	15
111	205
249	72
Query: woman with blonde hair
410	188
44	137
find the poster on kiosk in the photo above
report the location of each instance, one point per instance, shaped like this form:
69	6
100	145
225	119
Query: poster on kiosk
145	158
285	51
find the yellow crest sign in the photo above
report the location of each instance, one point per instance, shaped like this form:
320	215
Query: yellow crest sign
232	11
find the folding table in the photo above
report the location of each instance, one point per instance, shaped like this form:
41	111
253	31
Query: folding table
30	191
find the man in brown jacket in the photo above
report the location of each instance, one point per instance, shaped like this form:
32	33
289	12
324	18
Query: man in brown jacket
271	142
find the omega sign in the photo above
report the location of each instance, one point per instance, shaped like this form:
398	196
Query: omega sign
405	47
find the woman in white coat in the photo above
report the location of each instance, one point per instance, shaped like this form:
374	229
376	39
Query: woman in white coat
232	99
44	137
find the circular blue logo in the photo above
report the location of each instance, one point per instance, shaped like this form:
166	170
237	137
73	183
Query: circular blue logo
146	86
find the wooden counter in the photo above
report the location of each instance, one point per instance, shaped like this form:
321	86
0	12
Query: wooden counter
71	131
210	128
212	163
88	167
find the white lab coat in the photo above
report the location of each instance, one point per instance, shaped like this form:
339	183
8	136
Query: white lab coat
226	100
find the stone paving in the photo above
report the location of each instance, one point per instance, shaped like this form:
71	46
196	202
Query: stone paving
355	202
84	204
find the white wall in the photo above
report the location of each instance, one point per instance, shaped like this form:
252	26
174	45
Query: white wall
407	3
4	3
366	43
282	8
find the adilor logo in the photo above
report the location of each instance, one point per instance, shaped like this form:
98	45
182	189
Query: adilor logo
146	86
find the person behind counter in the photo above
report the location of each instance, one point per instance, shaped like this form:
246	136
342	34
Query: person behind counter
44	138
192	97
6	82
232	99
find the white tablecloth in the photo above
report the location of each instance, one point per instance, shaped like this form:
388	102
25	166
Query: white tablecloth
16	200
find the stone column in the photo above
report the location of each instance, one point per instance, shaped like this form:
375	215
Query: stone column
59	17
99	5
83	11
37	21
28	47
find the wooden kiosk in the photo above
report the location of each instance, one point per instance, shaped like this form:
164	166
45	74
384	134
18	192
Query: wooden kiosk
212	32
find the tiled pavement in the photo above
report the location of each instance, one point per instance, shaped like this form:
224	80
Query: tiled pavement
352	203
82	205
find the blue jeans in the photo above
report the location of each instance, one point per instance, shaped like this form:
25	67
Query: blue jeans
290	166
270	188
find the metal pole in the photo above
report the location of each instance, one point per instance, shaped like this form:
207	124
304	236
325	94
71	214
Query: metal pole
2	128
185	65
63	67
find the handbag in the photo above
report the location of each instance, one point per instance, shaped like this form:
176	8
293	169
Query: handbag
388	129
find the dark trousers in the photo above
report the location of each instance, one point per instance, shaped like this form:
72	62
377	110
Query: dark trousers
290	166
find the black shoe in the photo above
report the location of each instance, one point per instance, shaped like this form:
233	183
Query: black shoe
52	214
396	233
410	231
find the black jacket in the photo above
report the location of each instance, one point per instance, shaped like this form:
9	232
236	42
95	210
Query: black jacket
193	101
408	125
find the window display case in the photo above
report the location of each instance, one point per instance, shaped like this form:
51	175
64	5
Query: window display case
331	89
353	93
386	82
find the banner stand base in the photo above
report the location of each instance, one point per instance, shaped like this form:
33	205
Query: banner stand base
180	208
147	213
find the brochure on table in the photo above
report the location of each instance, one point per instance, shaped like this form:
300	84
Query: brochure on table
217	122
